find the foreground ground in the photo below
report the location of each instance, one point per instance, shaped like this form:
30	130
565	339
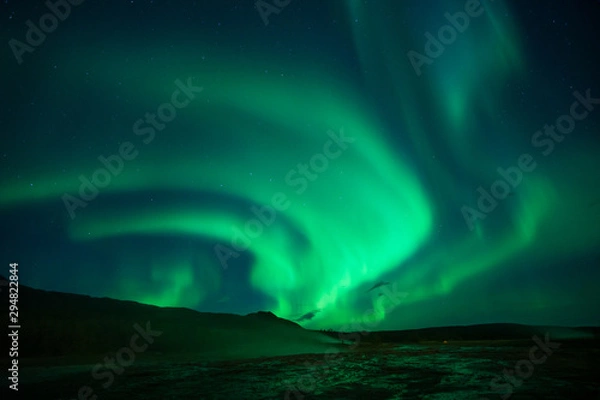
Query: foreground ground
386	371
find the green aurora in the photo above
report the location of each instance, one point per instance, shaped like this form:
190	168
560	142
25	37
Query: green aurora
386	207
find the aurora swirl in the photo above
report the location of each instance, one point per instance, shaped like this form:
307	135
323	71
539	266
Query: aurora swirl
385	206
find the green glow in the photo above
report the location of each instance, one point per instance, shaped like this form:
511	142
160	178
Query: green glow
387	209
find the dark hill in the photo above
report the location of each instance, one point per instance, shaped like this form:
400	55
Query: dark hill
63	324
483	332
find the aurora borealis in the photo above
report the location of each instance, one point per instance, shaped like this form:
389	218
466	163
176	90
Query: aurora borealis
353	168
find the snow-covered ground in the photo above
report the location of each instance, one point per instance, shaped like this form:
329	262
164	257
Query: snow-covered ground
435	371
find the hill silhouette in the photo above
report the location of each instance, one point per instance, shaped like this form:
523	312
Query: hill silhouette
64	324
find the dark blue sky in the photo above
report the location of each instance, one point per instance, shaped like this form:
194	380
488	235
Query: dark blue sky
190	154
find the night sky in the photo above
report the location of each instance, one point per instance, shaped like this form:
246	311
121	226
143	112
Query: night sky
311	162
